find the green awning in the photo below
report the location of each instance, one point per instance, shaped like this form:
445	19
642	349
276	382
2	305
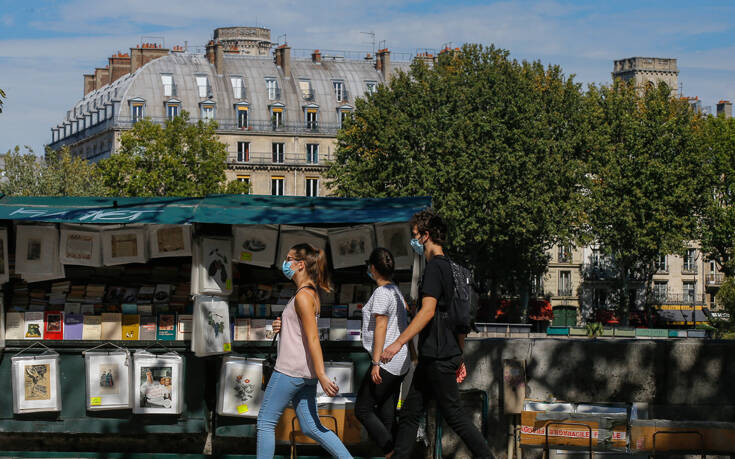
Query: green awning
223	209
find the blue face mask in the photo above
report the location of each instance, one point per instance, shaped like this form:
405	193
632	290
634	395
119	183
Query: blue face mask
370	274
287	270
417	246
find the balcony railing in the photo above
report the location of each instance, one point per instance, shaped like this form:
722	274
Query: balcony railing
689	269
564	291
266	159
714	279
664	298
253	125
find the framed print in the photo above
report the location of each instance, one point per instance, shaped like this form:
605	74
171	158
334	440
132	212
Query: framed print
157	382
255	244
210	327
169	240
36	250
35	381
240	392
108	380
292	235
342	374
351	246
123	245
216	266
4	268
396	237
80	245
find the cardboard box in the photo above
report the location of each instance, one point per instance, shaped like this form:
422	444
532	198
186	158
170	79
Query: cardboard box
533	430
342	409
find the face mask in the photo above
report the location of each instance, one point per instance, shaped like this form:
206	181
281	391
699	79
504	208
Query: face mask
287	270
417	246
370	274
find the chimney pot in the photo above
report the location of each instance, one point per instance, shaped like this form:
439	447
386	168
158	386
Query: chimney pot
316	56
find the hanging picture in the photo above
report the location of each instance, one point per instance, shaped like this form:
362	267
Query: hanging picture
157	383
80	245
108	380
124	245
169	240
210	326
216	266
4	269
351	246
35	381
240	391
293	235
255	244
342	374
396	237
36	250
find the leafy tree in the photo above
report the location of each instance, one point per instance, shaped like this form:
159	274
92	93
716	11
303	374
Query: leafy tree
58	174
726	299
497	143
645	165
718	217
178	159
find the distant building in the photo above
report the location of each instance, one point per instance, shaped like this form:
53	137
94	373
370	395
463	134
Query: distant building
277	113
648	70
724	108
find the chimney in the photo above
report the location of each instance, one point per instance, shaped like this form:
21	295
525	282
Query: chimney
382	63
316	57
724	108
143	54
216	56
426	57
283	59
88	84
119	65
101	77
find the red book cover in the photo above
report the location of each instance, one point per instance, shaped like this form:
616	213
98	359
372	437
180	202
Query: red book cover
53	323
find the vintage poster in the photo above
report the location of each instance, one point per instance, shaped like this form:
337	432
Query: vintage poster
240	392
80	246
255	244
157	382
108	379
211	327
122	246
351	246
35	383
396	237
216	266
169	240
36	250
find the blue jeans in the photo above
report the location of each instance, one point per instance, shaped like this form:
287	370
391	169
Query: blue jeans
281	390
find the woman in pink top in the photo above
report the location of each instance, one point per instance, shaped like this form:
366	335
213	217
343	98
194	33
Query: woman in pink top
300	363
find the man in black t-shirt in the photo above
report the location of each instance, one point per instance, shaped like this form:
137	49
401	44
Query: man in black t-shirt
440	349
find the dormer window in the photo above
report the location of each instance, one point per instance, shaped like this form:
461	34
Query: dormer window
277	115
306	92
241	111
136	109
311	116
344	111
202	86
207	109
172	109
372	87
274	92
167	80
237	87
339	90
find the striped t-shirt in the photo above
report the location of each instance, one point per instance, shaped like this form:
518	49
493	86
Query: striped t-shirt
385	301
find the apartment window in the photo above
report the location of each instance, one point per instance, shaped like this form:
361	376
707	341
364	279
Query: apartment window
312	186
274	92
372	87
712	266
565	254
343	114
339	90
95	118
565	283
202	86
168	85
277	117
661	290
242	117
207	112
690	259
277	186
136	109
243	152
172	111
278	152
312	153
306	92
237	91
661	265
244	179
689	289
312	118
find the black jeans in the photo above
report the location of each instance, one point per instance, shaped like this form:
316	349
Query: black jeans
375	407
436	380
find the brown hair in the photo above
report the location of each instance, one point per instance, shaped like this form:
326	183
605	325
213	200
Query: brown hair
382	261
315	261
428	221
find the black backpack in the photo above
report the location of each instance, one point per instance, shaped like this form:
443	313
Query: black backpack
463	306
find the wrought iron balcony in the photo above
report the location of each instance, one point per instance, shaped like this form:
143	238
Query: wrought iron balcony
266	159
714	279
679	299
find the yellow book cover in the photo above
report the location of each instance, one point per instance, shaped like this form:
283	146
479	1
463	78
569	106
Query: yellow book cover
130	326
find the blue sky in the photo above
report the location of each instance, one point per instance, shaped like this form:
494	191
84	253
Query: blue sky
46	45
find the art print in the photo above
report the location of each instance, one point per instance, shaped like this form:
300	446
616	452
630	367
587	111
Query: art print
240	388
293	235
340	373
109	380
211	333
53	323
351	246
36	381
155	387
170	240
216	269
81	246
255	244
396	237
33	252
37	251
157	383
123	246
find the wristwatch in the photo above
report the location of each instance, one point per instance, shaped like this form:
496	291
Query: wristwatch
375	364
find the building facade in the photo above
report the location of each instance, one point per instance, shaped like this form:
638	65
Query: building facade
278	114
648	70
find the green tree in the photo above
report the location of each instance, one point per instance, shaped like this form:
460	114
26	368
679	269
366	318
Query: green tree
497	143
726	299
646	188
718	217
178	159
58	174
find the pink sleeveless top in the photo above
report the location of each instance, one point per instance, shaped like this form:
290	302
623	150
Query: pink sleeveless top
294	358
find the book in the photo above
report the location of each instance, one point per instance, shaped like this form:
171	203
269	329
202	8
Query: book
145	309
354	310
257	330
129	308
162	294
338	330
87	309
54	325
246	310
354	330
145	294
323	326
183	328
166	327
262	310
92	328
14	325
130	326
72	308
269	333
147	328
73	326
33	328
339	311
111	326
242	329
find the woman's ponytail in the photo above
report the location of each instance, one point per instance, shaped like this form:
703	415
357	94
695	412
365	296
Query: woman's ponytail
315	261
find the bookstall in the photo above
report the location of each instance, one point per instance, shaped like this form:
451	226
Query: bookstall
148	317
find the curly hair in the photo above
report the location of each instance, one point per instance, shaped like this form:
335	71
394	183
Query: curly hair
428	221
